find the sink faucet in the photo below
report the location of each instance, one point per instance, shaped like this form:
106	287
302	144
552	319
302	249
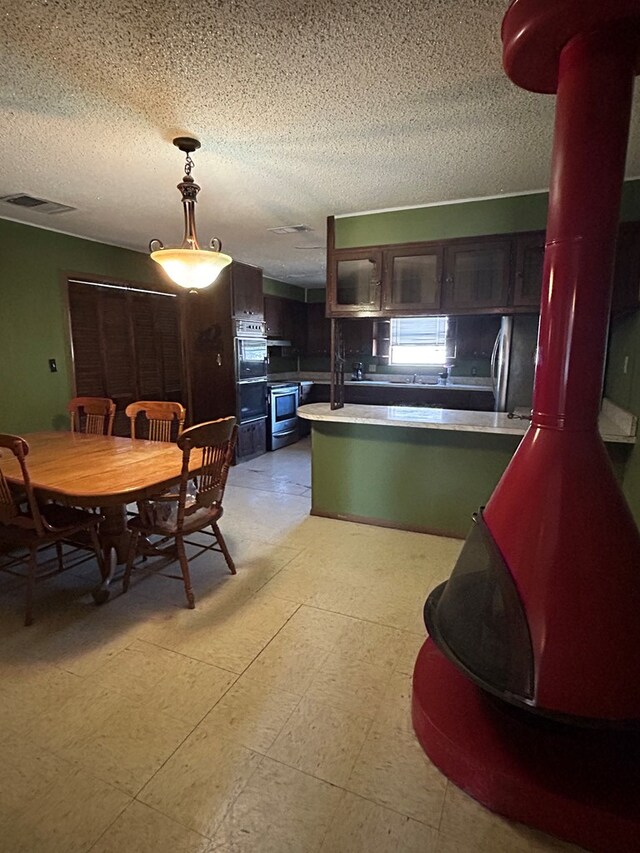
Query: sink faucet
415	378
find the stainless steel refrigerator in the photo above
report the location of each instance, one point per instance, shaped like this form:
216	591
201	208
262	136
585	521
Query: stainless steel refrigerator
513	362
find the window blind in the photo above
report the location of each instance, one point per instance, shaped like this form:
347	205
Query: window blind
419	340
419	331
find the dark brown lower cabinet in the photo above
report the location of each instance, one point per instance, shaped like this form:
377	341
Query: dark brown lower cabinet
252	439
406	395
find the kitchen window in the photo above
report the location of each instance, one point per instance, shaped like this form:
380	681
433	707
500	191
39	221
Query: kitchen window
419	340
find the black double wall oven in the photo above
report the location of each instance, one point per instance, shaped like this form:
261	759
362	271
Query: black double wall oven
250	346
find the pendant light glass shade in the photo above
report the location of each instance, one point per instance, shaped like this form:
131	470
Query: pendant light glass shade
190	266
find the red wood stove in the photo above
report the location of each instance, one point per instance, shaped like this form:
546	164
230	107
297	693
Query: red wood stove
527	694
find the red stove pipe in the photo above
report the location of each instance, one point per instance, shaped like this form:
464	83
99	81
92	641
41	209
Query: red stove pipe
558	515
595	90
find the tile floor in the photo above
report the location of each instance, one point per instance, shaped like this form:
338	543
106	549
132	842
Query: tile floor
272	719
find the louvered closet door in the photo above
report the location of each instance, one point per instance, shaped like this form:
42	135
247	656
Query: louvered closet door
167	324
147	349
117	341
126	346
85	333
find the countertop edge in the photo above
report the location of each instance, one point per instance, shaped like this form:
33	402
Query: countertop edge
322	412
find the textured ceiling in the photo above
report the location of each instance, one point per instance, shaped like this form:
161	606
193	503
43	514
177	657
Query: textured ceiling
303	108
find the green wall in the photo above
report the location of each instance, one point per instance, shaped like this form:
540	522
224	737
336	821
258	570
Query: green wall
417	478
273	287
33	317
421	479
460	219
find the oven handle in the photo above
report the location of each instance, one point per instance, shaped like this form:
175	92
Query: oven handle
282	393
287	432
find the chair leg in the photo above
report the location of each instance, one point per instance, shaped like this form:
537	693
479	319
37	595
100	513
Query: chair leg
223	548
133	547
186	577
31	582
59	555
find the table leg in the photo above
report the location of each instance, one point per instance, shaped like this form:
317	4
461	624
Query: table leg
114	539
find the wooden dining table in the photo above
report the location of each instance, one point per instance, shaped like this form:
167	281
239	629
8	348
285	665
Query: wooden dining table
99	472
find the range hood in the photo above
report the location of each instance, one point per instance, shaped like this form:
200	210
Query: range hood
273	342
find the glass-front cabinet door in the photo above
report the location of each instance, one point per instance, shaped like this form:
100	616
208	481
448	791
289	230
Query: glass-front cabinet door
355	281
412	278
477	276
528	275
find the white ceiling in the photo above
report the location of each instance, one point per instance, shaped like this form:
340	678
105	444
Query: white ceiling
303	108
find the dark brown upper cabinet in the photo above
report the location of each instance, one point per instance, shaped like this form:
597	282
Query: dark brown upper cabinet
248	301
274	316
498	274
476	276
527	286
354	281
411	279
626	276
318	330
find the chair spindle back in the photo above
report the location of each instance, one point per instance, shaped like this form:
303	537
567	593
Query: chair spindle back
163	419
9	510
217	440
92	415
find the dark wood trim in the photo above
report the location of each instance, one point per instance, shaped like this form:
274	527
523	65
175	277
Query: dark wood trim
149	287
445	241
383	522
331	250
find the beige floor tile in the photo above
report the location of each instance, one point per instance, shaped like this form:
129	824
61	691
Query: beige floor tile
251	714
321	740
200	781
412	643
395	707
141	829
27	771
361	826
466	822
318	627
86	644
315	602
130	746
29	689
229	634
256	562
393	771
251	514
165	681
370	643
279	811
349	685
287	663
66	818
85	710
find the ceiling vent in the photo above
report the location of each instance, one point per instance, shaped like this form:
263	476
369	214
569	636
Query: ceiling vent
30	202
311	246
290	229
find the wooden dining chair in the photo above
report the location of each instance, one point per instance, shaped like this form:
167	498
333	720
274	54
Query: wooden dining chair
191	508
38	525
164	420
92	415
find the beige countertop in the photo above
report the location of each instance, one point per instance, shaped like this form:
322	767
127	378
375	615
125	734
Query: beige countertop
616	425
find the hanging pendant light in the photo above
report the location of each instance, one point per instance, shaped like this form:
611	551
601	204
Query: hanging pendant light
190	266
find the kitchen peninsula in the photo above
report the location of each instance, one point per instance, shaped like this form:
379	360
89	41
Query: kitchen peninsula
423	469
